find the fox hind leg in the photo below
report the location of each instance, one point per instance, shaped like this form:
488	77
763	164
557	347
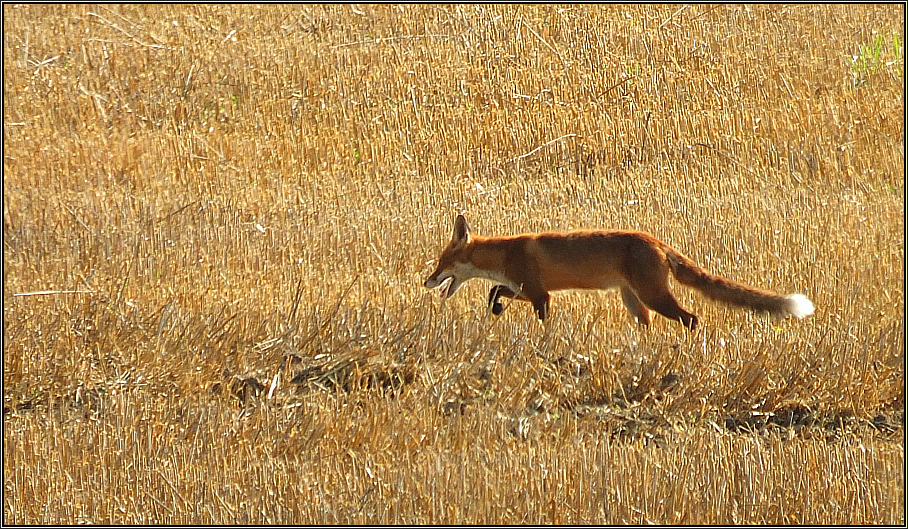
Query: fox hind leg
666	305
635	306
647	278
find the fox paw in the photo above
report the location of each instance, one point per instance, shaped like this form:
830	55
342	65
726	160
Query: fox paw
494	303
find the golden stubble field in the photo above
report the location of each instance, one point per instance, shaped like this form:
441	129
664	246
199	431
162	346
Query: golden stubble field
217	221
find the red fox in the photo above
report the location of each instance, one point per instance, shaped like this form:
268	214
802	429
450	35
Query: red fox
530	266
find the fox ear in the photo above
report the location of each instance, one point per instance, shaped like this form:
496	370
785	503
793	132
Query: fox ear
461	229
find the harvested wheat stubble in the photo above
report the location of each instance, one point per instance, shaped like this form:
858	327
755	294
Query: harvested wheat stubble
228	212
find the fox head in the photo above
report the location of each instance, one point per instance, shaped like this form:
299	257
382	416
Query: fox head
452	261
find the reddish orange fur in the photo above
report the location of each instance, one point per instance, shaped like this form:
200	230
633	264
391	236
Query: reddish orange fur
532	265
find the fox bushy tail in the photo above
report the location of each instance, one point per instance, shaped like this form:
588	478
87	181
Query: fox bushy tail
718	288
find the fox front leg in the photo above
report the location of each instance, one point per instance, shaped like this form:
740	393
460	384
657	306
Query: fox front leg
497	292
540	301
541	304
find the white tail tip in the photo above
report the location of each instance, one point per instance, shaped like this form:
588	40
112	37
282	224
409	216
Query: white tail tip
799	306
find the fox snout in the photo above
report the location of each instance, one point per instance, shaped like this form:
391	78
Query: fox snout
444	279
439	276
433	280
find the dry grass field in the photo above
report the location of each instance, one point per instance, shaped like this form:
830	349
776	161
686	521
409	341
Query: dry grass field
217	221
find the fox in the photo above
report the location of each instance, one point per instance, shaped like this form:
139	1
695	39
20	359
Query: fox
530	266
